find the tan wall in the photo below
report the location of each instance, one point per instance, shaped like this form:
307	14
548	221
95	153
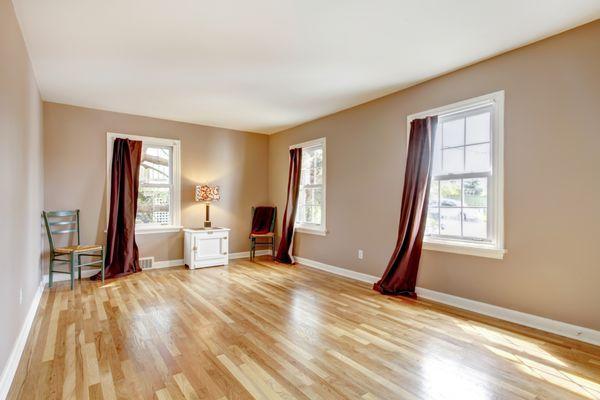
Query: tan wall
75	164
21	175
552	180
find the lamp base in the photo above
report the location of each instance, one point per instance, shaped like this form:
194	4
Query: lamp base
207	223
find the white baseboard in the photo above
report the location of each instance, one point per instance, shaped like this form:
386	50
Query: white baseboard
85	273
337	270
533	321
8	373
246	254
167	264
232	256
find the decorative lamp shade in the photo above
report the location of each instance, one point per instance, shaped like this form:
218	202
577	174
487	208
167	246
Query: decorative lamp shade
206	194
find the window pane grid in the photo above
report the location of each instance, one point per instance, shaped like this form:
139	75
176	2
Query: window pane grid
310	198
155	196
156	185
154	206
458	209
156	165
437	178
311	186
159	181
458	201
465	142
465	201
466	145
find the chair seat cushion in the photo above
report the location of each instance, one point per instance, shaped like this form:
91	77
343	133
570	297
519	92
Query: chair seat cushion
262	235
77	249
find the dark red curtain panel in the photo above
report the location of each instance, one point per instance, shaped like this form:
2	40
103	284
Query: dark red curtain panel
286	245
400	276
122	256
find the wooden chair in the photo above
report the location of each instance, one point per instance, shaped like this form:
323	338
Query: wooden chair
266	239
67	222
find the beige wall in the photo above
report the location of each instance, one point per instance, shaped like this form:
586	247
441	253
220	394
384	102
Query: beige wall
552	180
75	165
21	177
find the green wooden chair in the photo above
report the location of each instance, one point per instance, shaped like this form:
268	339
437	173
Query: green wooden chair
67	222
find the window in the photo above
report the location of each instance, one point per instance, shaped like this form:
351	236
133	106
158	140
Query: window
464	213
156	186
159	185
310	214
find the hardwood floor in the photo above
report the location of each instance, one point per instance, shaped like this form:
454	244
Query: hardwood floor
267	331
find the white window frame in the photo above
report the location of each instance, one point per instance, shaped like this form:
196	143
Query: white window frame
175	226
496	188
313	228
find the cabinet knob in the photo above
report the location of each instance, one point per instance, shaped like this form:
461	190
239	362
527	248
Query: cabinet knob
224	253
194	248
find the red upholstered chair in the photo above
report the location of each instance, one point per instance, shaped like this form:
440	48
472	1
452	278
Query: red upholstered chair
262	232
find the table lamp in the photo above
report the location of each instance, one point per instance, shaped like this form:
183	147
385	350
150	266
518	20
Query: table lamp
207	194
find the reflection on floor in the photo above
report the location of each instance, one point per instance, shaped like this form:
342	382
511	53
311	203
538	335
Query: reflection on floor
268	331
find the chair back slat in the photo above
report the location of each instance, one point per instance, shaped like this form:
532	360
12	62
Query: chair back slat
62	213
60	218
62	223
61	231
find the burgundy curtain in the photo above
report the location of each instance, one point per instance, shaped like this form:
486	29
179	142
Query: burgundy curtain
284	252
400	276
122	257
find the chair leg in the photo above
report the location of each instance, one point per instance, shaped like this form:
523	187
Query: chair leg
252	247
102	265
79	268
50	272
72	262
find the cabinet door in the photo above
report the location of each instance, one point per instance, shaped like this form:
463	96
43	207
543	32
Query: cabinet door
207	247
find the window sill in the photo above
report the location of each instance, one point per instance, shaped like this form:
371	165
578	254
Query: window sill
158	229
464	248
319	231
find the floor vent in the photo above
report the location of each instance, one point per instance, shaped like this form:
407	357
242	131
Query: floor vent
146	262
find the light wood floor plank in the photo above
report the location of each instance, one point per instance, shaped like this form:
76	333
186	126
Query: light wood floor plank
264	330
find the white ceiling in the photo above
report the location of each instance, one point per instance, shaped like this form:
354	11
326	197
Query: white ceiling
266	65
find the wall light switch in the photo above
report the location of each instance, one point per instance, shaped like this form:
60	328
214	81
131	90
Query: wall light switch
360	254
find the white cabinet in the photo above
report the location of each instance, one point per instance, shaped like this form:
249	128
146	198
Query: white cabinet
206	247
